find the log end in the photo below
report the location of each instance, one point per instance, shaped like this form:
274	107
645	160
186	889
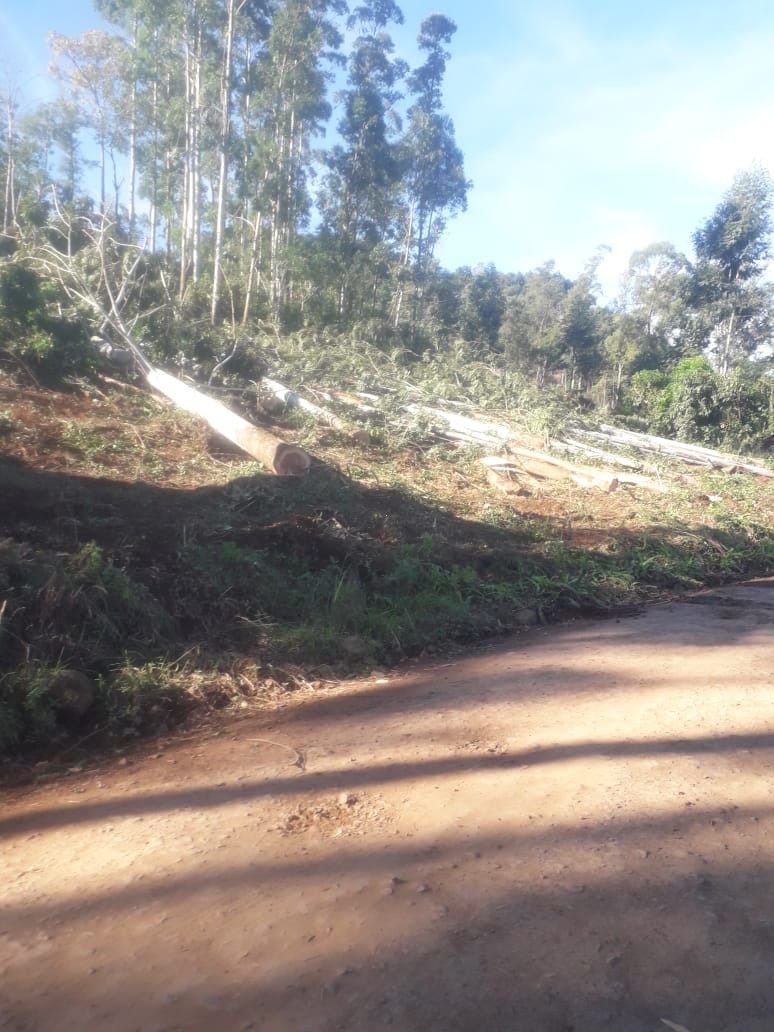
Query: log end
291	461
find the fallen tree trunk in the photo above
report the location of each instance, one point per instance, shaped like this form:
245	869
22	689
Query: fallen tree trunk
463	428
322	415
352	401
273	453
548	466
294	400
692	454
639	480
540	466
505	476
577	447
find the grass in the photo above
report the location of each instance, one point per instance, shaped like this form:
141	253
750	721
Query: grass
381	552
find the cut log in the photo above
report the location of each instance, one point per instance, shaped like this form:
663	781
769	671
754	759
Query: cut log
463	428
691	454
578	448
507	478
352	401
543	464
322	415
273	453
638	480
540	467
294	400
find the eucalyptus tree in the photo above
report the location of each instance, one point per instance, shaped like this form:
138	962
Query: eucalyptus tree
294	71
245	20
482	306
145	26
582	328
248	139
530	335
434	182
363	169
656	294
10	104
732	249
89	69
40	163
652	320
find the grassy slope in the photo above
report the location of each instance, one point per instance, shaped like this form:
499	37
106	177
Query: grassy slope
129	538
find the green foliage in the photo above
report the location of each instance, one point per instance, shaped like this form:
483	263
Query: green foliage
76	609
27	714
51	345
692	402
732	248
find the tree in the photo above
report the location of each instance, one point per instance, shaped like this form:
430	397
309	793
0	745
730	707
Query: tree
655	296
435	187
732	248
10	104
482	306
580	328
294	74
363	169
530	333
90	67
234	9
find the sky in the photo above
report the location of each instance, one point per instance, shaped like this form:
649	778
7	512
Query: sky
584	123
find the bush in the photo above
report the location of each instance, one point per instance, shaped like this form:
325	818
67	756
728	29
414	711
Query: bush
51	345
694	403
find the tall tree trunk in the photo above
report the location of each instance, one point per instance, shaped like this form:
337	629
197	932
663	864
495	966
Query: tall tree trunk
186	192
225	132
133	138
9	204
154	205
725	358
196	179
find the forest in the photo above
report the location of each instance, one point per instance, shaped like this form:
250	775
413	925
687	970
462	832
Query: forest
236	171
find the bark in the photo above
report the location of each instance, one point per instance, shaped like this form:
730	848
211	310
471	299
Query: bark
691	454
293	400
464	428
573	446
273	453
225	135
133	140
9	206
317	412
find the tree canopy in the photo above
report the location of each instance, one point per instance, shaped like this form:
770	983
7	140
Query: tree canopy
278	163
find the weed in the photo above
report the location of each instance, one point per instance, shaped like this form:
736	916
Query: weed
27	712
7	423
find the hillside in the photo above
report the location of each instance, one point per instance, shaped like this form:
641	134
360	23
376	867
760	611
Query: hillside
143	552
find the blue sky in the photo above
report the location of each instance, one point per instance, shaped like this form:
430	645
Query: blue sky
583	122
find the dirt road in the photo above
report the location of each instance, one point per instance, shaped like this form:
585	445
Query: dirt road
573	830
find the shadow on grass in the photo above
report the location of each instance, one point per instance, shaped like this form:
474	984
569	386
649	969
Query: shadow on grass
318	570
